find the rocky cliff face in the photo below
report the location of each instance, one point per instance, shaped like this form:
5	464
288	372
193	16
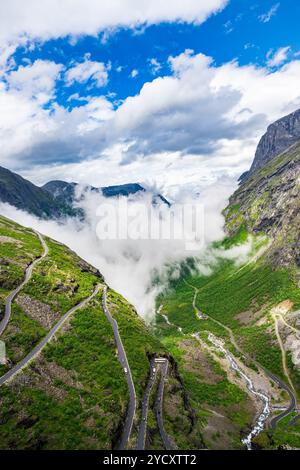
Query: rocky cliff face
278	138
269	202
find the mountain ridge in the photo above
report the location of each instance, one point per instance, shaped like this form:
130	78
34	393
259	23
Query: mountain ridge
280	136
55	199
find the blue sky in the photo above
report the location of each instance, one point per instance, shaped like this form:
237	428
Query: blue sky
129	92
238	32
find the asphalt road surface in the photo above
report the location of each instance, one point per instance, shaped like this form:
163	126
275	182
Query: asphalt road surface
35	352
292	406
28	274
145	406
293	421
124	363
159	406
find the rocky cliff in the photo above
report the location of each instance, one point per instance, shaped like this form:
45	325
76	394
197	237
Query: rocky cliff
268	202
279	137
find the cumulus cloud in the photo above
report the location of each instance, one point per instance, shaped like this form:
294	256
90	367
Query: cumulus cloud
179	113
266	17
278	57
82	72
54	18
35	81
6	59
210	115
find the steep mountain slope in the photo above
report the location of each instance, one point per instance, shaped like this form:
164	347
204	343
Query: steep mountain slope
73	394
279	137
56	198
22	194
269	202
251	307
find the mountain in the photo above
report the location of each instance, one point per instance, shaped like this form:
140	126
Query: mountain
246	309
55	199
73	393
279	137
217	368
65	193
24	195
268	202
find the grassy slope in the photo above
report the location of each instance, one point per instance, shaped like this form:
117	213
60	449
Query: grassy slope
75	395
58	282
138	341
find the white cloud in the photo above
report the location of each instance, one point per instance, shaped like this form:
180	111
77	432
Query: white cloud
228	27
6	59
129	265
82	72
35	81
266	17
200	120
276	58
155	65
134	73
53	18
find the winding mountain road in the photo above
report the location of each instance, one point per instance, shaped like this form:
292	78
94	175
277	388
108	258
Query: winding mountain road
163	364
293	421
28	274
293	403
124	363
141	439
36	351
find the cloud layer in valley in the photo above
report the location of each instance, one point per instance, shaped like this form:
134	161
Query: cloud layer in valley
129	265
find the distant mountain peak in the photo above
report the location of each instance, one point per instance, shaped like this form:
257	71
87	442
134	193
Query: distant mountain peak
280	135
65	192
56	198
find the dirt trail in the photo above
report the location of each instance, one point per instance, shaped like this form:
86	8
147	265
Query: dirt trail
283	352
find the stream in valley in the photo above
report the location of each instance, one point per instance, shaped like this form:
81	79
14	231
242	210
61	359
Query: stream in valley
261	420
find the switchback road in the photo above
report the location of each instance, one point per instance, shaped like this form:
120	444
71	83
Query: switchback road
125	365
36	351
145	405
163	364
28	274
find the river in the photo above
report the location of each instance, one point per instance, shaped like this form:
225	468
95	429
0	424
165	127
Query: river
261	420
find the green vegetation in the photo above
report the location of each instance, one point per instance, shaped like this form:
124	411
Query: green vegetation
208	388
138	341
21	335
72	399
239	297
61	280
74	395
18	248
285	436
